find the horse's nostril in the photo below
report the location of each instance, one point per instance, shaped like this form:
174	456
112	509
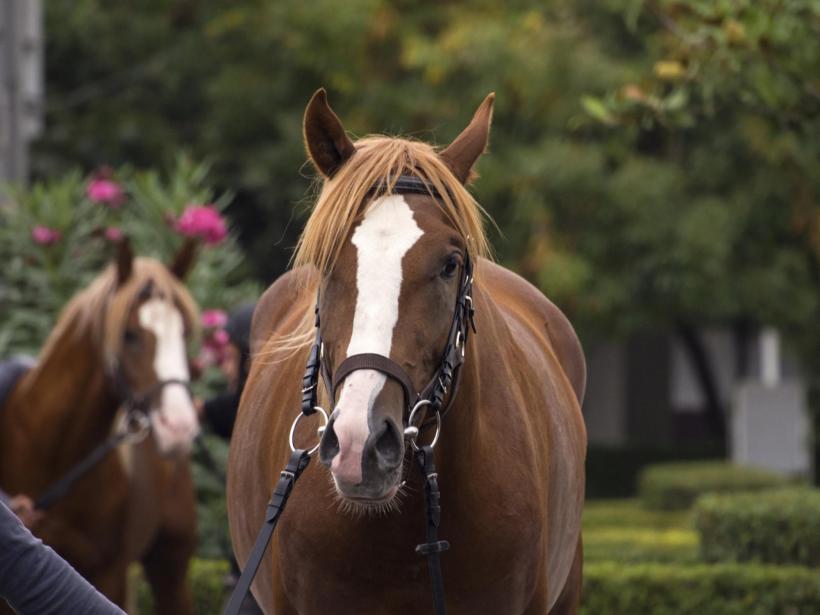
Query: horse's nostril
329	444
388	445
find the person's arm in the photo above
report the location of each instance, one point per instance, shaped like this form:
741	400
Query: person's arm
35	580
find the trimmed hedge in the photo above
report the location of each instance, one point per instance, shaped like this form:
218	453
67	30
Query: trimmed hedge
207	581
676	486
721	589
630	545
778	527
612	471
623	531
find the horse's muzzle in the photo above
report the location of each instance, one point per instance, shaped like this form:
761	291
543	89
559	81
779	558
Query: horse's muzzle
369	472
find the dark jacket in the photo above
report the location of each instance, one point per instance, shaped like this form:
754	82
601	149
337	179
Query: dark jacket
220	411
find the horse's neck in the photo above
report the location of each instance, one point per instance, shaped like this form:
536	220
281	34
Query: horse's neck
66	406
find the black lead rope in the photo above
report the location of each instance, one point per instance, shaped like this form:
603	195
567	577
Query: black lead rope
433	547
59	489
299	460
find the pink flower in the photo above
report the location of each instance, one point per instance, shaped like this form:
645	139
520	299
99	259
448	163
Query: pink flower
216	341
220	338
203	221
101	190
113	234
207	357
214	319
44	236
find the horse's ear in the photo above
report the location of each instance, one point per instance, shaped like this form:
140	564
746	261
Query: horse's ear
462	153
326	141
183	261
125	260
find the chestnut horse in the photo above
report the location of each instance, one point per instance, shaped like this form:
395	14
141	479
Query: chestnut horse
387	266
120	339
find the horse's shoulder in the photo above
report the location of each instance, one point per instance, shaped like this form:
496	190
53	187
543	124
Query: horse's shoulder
526	301
283	298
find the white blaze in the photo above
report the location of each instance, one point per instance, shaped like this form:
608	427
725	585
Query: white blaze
175	422
383	238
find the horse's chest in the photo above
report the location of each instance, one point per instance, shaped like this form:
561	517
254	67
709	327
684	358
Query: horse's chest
370	565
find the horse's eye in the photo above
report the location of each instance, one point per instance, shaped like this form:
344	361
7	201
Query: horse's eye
131	337
450	266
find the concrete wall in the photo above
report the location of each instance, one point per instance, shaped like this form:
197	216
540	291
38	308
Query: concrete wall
771	428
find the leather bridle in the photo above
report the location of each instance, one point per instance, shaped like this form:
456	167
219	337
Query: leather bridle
133	428
446	377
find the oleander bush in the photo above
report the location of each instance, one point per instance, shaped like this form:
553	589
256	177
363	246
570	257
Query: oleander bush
56	236
676	486
778	527
614	588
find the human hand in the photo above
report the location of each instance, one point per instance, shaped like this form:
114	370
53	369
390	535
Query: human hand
23	506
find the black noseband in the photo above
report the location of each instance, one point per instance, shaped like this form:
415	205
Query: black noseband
380	363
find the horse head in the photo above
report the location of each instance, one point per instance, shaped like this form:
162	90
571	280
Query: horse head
148	320
392	272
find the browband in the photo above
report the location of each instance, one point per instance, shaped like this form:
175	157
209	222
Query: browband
406	184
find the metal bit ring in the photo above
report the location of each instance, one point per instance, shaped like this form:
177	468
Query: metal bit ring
296	422
412	432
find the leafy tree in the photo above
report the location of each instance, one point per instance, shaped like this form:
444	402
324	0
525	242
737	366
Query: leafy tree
653	163
729	105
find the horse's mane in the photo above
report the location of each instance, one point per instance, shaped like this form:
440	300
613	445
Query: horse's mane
378	161
101	309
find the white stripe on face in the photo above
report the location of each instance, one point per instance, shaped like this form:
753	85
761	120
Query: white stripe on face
386	234
175	423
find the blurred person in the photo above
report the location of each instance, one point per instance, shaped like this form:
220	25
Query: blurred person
34	580
220	411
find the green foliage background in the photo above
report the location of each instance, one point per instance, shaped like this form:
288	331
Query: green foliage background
652	162
676	486
777	527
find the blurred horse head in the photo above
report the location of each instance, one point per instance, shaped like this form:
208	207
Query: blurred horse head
147	317
117	350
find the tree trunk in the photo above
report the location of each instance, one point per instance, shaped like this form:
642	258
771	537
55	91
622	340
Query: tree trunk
701	364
